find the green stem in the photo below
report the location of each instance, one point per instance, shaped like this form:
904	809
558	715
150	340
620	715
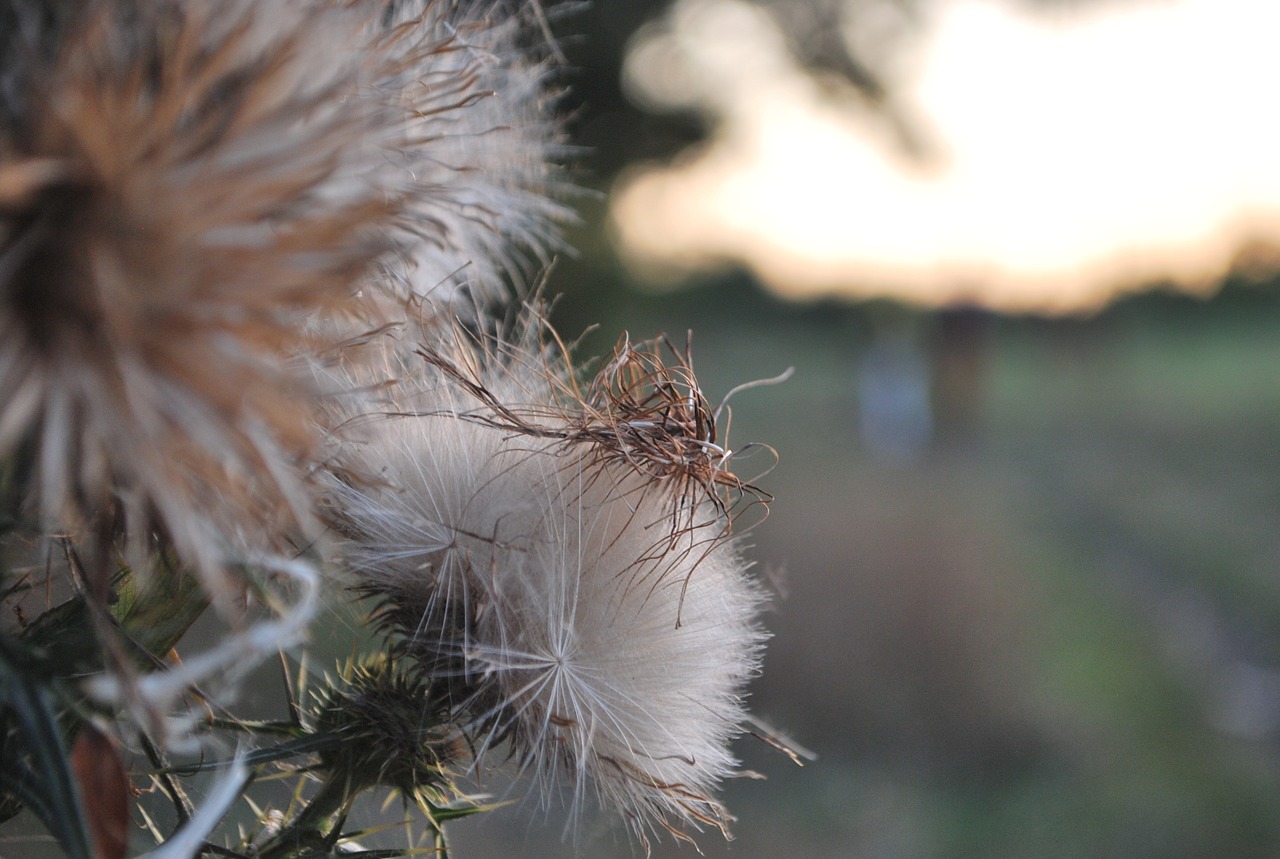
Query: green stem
313	825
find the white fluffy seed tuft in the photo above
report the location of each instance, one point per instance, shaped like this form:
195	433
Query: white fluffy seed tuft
607	639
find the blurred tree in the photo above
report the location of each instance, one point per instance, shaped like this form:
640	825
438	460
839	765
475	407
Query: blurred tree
853	46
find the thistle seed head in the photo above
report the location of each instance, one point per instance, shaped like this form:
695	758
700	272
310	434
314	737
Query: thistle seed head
174	200
571	614
388	729
194	196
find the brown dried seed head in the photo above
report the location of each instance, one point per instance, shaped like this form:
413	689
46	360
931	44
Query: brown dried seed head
643	408
173	201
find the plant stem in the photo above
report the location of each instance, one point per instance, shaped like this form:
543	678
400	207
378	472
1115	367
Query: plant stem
313	825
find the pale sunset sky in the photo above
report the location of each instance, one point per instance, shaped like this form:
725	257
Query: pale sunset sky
1077	153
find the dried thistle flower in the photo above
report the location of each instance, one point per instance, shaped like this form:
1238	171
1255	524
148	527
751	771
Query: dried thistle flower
184	185
173	202
642	410
551	585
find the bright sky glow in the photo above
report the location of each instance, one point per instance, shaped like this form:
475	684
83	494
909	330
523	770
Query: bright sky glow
1081	154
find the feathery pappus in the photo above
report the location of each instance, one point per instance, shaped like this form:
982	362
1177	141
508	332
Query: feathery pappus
481	152
186	186
573	615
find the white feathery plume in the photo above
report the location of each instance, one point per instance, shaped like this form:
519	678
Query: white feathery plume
607	638
480	151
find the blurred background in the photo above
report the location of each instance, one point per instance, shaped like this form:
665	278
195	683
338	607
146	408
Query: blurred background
1022	256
